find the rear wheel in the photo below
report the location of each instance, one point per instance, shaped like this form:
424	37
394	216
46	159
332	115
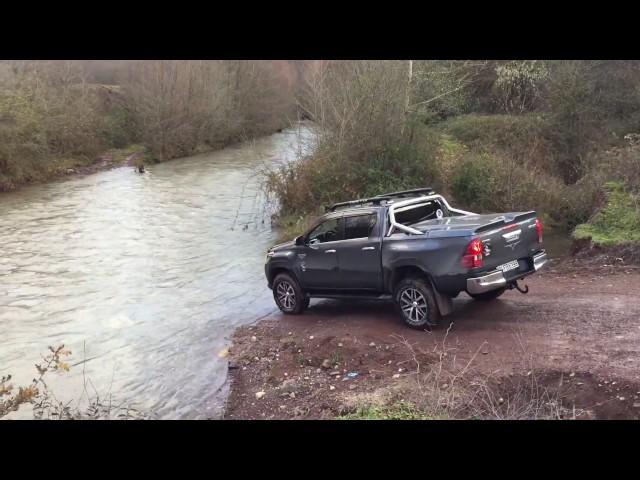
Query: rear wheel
288	295
490	295
416	303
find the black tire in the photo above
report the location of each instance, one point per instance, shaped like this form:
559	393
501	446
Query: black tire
490	295
409	295
288	295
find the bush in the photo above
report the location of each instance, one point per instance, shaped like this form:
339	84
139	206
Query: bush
617	222
620	164
45	404
525	138
499	130
394	411
119	128
493	183
473	182
45	120
576	203
330	176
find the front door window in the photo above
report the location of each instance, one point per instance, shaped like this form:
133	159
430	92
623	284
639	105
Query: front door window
327	231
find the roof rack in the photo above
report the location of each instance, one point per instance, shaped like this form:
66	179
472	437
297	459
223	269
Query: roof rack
405	193
379	198
355	203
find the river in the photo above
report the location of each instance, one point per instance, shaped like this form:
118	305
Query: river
142	277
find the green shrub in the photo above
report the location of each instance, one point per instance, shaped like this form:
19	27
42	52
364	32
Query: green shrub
394	411
473	182
331	174
575	203
119	129
525	138
617	222
499	130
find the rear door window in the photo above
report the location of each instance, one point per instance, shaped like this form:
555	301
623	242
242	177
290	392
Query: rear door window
359	226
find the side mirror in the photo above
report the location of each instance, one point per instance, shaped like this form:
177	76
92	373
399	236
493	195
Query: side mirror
300	240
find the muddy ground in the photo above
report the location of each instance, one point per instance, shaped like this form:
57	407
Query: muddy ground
570	348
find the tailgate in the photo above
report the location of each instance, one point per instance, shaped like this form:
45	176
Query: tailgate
510	238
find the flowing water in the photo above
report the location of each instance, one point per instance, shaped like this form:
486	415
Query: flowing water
142	277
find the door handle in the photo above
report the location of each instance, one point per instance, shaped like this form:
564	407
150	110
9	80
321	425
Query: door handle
368	248
330	251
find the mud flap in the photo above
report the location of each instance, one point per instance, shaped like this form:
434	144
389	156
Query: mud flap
444	302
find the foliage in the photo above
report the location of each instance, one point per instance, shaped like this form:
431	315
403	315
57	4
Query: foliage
592	104
53	116
47	406
46	117
120	128
519	84
36	391
473	182
365	146
179	105
617	222
494	135
394	411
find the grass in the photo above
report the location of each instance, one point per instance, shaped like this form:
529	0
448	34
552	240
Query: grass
120	155
439	388
394	411
512	131
336	358
617	223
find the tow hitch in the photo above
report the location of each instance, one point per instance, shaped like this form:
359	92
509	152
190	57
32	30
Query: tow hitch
515	285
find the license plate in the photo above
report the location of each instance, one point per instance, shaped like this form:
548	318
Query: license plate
509	266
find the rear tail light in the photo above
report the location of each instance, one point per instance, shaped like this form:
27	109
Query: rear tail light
539	229
472	257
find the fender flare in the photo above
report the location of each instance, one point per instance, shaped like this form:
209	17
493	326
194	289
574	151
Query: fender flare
444	302
283	268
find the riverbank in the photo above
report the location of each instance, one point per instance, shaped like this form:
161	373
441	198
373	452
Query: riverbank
568	349
133	156
63	168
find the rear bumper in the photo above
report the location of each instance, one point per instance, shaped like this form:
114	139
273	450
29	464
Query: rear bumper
496	279
539	260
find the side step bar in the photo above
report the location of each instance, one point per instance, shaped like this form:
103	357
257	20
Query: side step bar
350	296
444	302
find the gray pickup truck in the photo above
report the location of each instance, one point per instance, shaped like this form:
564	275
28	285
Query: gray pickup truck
411	247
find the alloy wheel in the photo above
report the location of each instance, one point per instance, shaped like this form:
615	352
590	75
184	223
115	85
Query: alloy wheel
286	295
414	306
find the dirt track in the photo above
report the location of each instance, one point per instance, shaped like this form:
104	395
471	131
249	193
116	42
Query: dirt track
576	326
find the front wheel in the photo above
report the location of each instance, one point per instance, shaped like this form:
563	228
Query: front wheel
416	303
288	295
490	295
